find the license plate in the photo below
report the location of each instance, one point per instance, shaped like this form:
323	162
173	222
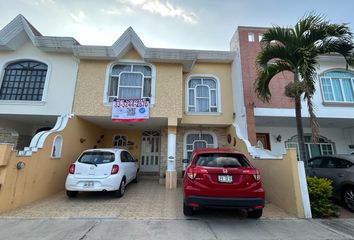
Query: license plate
88	184
225	178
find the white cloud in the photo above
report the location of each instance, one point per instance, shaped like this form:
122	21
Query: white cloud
79	17
116	11
163	8
41	2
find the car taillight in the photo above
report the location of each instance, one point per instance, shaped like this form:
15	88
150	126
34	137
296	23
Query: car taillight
254	173
196	172
115	169
257	176
190	173
72	169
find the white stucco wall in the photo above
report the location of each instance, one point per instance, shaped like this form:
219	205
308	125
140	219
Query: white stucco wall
322	111
60	85
341	138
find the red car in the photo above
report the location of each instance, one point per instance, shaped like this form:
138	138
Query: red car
222	178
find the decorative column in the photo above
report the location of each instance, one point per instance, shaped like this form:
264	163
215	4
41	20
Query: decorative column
171	174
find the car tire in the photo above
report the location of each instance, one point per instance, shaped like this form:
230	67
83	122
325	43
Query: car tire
255	213
71	194
135	180
120	192
348	198
187	210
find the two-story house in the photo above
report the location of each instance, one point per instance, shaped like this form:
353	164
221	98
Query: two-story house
190	95
272	125
37	81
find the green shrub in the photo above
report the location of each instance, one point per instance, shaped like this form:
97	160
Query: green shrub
320	191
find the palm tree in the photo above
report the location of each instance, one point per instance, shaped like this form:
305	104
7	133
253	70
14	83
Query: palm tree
297	50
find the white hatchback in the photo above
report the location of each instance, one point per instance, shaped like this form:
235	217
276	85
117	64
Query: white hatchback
102	169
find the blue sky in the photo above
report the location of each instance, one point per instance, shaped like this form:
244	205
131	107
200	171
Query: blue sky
190	24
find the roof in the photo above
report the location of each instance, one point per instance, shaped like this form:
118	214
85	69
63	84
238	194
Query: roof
14	34
105	149
216	150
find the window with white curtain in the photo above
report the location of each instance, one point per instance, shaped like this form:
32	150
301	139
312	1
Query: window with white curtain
130	81
197	141
202	94
338	86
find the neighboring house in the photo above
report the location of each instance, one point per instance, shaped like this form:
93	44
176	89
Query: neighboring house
272	125
190	94
37	81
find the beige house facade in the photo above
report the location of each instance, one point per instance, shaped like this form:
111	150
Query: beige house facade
190	94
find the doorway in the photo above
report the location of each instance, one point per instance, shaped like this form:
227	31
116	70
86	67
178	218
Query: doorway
150	151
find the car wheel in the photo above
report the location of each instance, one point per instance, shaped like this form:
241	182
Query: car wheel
187	210
348	197
135	180
120	192
255	213
71	194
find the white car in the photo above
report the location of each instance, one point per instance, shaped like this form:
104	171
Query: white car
102	169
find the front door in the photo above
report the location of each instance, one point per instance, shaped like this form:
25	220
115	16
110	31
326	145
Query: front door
150	151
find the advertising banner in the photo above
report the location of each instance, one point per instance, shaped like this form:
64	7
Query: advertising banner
130	110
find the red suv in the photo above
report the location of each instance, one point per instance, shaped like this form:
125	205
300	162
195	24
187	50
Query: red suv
222	178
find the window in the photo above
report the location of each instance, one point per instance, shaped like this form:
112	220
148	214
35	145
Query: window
130	81
120	141
23	80
96	158
202	95
57	146
323	147
198	140
338	86
251	37
260	37
221	160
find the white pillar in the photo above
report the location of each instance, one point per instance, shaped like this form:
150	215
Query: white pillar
171	152
304	190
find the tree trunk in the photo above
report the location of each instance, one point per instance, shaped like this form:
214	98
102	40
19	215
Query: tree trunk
300	130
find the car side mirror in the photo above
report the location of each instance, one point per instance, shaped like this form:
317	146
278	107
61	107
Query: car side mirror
185	160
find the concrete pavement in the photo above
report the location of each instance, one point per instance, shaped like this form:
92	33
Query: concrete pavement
200	229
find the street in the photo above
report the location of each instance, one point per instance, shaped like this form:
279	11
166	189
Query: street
201	229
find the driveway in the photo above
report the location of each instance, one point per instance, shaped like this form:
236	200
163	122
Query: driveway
220	229
144	200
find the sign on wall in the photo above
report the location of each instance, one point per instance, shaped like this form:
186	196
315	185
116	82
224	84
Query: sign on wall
130	110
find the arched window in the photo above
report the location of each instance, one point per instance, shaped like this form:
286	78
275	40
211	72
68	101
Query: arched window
202	94
130	81
57	146
120	141
23	80
322	147
198	140
338	86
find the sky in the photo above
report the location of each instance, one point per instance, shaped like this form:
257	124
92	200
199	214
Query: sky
186	24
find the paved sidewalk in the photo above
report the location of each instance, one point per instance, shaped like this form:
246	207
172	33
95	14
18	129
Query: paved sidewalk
87	229
144	200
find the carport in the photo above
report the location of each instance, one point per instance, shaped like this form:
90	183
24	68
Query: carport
145	200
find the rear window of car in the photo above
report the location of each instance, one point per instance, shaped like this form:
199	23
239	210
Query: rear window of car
221	160
96	157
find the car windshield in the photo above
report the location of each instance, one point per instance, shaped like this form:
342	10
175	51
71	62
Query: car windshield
222	160
96	157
